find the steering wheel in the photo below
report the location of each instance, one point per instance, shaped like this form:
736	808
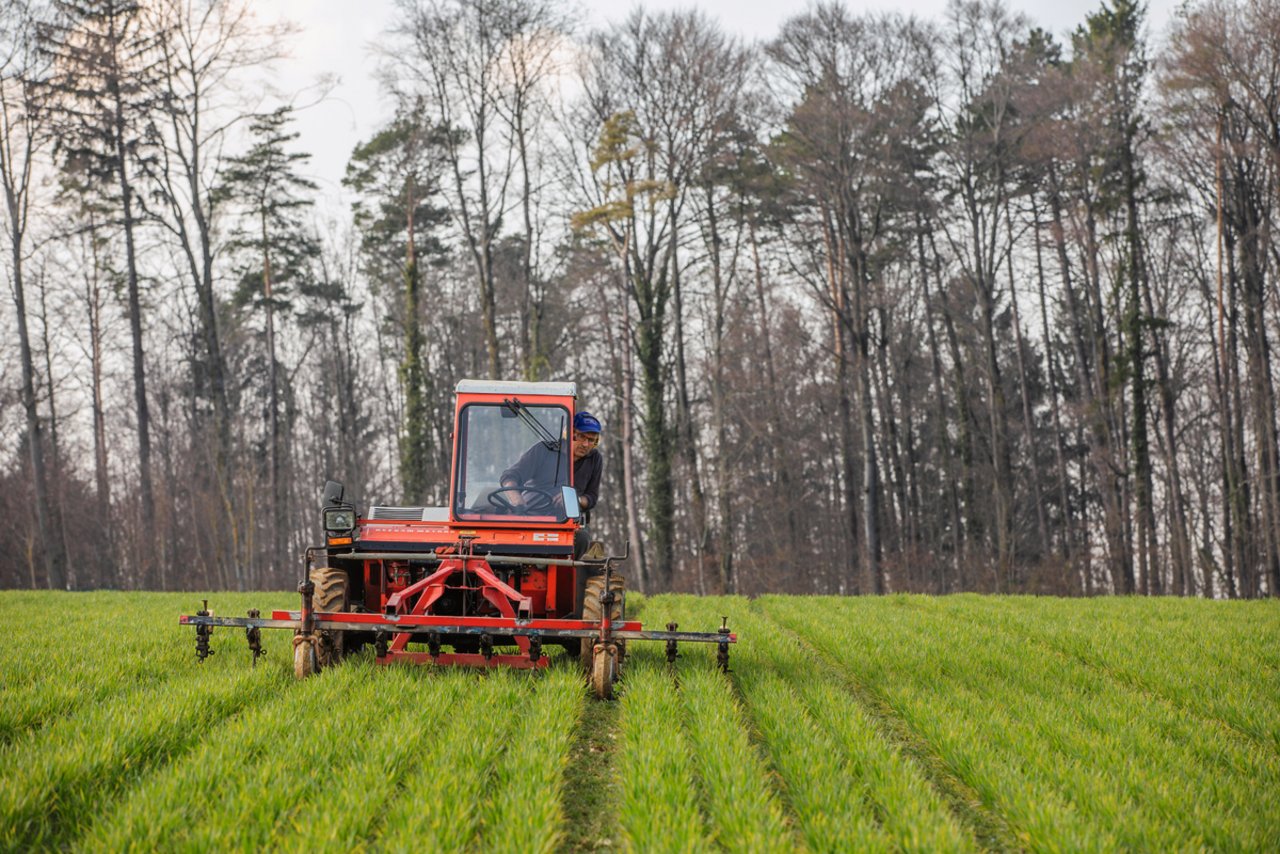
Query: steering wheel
542	502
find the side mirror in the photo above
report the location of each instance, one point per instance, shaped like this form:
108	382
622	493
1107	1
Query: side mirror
569	497
332	492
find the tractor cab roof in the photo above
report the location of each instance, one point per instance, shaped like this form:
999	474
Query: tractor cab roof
513	387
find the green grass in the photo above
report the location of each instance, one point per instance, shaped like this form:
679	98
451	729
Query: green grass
900	723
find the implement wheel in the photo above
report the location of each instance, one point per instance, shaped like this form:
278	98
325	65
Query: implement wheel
330	595
304	658
591	611
604	669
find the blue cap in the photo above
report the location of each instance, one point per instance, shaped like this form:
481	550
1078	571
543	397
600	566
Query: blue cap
585	422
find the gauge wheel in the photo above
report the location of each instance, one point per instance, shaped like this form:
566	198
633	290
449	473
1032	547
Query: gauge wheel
604	669
304	658
591	612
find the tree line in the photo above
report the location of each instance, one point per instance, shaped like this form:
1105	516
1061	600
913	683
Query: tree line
877	304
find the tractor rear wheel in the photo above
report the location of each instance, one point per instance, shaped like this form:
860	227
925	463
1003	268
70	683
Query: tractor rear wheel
591	611
604	669
330	595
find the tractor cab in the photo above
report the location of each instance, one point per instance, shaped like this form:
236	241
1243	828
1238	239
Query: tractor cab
519	429
512	455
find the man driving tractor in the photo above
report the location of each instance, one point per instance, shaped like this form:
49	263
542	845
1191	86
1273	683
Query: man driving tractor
537	467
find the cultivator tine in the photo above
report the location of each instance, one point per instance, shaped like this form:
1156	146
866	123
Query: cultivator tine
254	634
722	654
535	648
202	634
671	644
486	646
380	642
433	644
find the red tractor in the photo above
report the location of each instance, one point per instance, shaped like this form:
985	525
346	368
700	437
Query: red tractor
497	567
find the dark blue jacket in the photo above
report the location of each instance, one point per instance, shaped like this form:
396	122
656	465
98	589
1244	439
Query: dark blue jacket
537	467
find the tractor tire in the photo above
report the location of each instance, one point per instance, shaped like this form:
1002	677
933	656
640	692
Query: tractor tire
604	669
591	611
330	595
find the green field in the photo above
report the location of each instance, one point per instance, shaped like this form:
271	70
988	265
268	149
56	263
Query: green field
897	723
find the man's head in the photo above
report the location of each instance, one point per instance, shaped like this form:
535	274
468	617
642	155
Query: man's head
586	434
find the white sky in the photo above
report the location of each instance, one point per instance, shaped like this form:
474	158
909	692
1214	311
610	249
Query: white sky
336	36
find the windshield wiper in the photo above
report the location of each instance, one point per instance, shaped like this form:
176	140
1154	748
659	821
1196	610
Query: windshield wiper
551	443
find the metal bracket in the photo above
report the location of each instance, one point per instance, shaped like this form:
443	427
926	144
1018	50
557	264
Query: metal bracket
254	635
202	634
722	653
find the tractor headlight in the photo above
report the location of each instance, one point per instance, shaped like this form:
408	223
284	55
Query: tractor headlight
339	519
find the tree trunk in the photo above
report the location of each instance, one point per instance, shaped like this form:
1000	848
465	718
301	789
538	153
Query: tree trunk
1148	578
1035	487
93	302
275	478
57	518
778	459
841	327
147	536
1051	370
1252	264
54	560
719	418
657	446
688	438
944	449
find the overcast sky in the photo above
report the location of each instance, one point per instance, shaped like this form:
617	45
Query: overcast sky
336	37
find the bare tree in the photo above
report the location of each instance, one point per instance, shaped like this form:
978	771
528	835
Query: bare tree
23	132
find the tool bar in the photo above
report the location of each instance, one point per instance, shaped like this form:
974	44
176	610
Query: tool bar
527	629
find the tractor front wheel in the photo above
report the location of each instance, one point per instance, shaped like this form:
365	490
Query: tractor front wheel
592	611
330	596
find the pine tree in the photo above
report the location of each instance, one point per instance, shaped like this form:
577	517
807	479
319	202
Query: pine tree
277	250
397	174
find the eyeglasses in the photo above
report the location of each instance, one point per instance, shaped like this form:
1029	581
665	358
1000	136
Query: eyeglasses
589	438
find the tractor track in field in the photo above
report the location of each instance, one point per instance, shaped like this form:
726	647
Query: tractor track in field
988	828
589	794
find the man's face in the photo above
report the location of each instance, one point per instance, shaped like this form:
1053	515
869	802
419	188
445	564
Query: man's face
583	443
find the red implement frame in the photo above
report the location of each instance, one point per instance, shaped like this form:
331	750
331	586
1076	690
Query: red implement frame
401	626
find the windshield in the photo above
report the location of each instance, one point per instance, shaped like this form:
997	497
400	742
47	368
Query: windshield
526	444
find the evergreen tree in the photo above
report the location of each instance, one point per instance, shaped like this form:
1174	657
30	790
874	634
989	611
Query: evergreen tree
397	174
277	249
